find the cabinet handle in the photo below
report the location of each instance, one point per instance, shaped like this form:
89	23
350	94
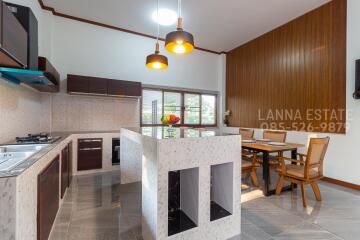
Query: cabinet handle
89	149
91	140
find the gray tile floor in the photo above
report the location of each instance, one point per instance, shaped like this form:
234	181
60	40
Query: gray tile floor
97	207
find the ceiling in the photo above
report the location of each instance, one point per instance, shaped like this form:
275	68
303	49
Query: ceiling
218	25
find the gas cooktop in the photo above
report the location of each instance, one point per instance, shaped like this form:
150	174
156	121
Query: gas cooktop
36	139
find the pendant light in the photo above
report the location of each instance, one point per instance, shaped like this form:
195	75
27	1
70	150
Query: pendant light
179	42
157	61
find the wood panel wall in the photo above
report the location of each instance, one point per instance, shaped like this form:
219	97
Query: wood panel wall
294	77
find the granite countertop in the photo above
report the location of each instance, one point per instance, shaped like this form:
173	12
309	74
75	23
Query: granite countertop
34	158
177	133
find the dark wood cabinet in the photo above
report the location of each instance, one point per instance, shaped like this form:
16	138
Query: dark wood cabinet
124	88
98	85
64	170
77	84
48	199
70	149
109	87
29	22
89	153
116	88
13	39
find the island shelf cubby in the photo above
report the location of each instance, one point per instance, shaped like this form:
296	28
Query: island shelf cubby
221	191
183	200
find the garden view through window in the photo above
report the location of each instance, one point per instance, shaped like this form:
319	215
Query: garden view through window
195	109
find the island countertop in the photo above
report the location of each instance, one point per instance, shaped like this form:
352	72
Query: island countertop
187	171
178	132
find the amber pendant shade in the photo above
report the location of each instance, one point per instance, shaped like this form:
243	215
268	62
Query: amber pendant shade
179	42
156	61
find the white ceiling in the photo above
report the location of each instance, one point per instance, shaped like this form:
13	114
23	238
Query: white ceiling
218	25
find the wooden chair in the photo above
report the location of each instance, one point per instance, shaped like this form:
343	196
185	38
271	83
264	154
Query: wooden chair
308	169
248	164
250	167
247	133
273	136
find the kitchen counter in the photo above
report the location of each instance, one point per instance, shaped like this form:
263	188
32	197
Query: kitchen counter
38	155
19	189
191	181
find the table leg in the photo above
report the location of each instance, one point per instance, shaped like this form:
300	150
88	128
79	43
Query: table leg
266	174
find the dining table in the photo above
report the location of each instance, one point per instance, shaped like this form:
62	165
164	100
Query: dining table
266	148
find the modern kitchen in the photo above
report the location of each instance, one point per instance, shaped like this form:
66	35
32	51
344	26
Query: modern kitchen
179	120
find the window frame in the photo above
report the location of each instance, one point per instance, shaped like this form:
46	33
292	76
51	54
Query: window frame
182	107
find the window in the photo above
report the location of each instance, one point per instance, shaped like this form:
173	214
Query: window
195	109
208	106
151	107
192	109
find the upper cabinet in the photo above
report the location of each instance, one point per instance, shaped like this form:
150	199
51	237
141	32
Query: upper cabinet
101	86
19	60
13	40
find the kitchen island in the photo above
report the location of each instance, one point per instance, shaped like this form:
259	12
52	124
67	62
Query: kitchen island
190	181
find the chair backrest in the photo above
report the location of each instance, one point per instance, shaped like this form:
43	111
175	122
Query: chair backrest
315	155
275	136
247	133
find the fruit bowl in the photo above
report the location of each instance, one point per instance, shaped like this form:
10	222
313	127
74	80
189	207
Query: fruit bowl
170	119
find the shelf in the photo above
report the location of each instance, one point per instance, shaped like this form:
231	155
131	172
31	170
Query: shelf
221	192
217	212
183	200
179	222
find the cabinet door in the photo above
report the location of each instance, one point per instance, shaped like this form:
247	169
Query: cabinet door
89	154
133	89
77	84
14	37
116	88
124	88
70	148
48	199
98	85
64	170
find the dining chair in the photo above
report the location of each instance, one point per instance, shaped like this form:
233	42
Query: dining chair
275	136
272	136
249	167
247	133
308	168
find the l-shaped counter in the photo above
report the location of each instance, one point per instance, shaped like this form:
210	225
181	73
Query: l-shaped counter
202	168
19	189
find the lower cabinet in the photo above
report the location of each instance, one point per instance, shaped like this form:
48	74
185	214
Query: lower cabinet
48	198
64	170
89	153
70	146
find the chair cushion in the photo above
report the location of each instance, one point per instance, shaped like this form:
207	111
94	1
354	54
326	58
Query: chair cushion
298	171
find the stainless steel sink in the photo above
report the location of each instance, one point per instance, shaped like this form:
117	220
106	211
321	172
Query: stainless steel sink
13	155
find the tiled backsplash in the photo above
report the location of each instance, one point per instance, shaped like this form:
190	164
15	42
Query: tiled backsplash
24	110
89	113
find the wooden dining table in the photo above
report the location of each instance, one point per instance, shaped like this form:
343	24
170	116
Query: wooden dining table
266	149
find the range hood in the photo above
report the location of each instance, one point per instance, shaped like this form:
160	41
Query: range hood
46	79
18	76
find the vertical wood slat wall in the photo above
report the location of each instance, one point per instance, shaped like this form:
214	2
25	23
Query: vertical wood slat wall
296	67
